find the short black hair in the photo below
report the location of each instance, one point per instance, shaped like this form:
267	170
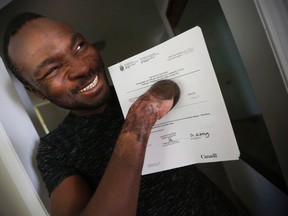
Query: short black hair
12	28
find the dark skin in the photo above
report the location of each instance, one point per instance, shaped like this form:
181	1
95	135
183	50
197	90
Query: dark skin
61	66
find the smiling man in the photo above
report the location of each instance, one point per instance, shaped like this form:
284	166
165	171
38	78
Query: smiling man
51	49
91	164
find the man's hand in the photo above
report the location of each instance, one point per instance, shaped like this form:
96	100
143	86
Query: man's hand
151	106
167	93
158	100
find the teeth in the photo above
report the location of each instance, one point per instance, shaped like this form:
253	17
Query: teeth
90	86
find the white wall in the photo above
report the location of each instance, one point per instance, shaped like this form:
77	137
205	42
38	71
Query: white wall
263	71
274	15
18	195
258	194
20	130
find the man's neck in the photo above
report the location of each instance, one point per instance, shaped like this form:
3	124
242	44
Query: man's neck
100	109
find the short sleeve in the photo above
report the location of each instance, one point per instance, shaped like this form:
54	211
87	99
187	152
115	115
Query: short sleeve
53	165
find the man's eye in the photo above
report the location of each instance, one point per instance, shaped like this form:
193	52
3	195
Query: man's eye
53	69
80	46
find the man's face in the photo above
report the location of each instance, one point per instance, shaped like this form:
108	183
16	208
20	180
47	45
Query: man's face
60	65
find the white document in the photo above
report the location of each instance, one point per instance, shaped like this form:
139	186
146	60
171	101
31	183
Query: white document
198	128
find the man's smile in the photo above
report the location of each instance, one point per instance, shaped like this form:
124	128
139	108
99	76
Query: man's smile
91	85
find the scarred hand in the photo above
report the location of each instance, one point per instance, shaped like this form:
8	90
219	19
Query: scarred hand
151	106
164	95
157	101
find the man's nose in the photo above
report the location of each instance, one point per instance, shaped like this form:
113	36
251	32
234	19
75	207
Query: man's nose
79	68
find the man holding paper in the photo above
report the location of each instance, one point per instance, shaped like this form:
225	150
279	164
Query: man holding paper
91	164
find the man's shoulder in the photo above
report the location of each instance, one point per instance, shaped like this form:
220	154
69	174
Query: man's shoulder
57	135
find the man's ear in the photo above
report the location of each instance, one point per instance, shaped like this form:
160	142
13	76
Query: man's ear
35	92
